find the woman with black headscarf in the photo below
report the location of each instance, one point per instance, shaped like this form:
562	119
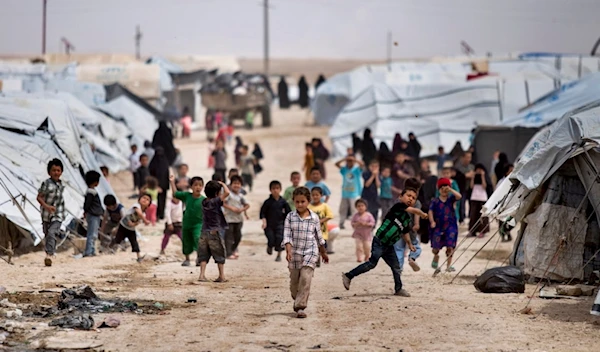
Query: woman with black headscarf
159	168
282	92
238	151
385	156
320	81
164	138
369	150
397	146
500	168
356	144
321	154
414	147
303	93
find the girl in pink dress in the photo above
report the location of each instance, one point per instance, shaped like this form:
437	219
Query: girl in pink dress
363	223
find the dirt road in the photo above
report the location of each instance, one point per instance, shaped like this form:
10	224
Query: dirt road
253	311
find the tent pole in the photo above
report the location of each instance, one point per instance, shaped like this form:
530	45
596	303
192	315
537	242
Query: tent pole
473	257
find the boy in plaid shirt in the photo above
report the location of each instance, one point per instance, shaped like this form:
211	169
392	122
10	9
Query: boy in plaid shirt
303	242
50	197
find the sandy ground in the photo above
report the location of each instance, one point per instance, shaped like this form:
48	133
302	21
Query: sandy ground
253	311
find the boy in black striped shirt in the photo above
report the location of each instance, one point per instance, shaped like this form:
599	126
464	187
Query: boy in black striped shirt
396	224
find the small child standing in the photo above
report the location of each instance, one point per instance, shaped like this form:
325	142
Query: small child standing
303	244
324	213
247	167
50	197
174	222
212	239
112	217
288	195
143	171
316	180
93	211
394	226
363	223
235	206
127	226
443	221
151	188
273	213
193	216
386	198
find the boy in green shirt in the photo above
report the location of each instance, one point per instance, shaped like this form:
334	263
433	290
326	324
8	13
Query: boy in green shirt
288	194
192	217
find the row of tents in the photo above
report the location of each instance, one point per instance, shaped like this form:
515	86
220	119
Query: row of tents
439	102
85	125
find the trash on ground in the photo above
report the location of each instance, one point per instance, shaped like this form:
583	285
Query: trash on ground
507	279
81	322
110	322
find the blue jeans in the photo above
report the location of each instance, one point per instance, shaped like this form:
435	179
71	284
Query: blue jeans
379	251
400	247
93	223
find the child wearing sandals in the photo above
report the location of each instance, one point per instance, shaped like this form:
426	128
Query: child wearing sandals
444	225
212	239
363	223
303	242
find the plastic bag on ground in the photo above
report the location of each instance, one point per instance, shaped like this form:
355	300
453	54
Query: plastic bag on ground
506	279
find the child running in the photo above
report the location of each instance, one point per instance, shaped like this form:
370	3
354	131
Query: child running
235	207
52	202
363	223
273	213
394	226
212	240
173	223
93	211
151	188
303	243
127	226
288	195
324	213
192	218
444	226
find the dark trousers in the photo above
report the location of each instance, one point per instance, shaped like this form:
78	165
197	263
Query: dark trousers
247	181
122	234
462	206
160	206
475	208
274	238
373	208
379	251
233	237
221	173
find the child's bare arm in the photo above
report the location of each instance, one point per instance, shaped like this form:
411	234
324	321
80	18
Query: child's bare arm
408	241
160	190
431	219
225	193
417	212
173	186
141	215
457	195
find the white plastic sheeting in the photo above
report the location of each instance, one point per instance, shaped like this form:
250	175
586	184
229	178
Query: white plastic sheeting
438	114
141	122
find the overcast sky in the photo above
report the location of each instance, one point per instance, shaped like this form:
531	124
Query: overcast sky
303	28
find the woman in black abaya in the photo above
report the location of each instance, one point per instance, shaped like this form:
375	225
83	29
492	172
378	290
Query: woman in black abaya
320	81
303	93
320	154
368	151
159	168
385	156
164	138
282	92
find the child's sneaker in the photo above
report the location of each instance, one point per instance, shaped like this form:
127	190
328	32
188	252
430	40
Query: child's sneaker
278	258
301	314
413	264
402	293
269	250
141	259
185	263
346	281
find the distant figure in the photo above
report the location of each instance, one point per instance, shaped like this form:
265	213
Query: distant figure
368	150
303	93
159	168
356	143
282	92
321	154
397	146
414	147
186	123
164	138
320	81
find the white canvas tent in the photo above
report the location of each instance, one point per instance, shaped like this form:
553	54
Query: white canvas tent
142	123
554	192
